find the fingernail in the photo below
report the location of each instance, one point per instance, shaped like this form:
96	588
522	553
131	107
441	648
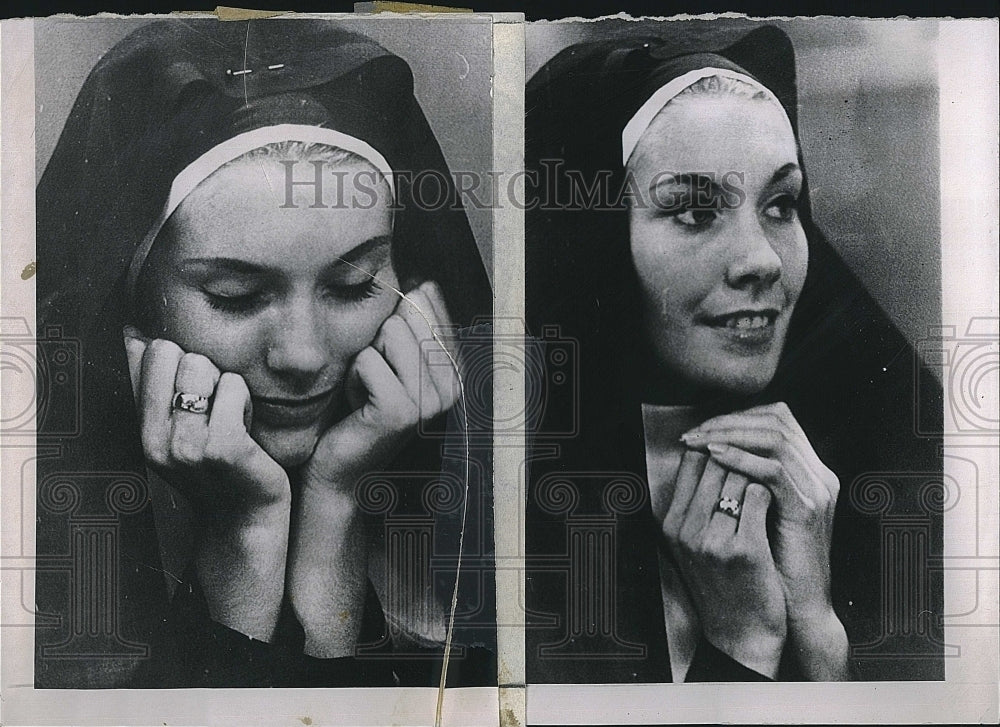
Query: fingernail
692	435
716	448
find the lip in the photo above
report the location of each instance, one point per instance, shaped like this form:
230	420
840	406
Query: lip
291	412
753	339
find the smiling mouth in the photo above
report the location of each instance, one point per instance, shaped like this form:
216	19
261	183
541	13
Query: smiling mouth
747	327
745	320
290	412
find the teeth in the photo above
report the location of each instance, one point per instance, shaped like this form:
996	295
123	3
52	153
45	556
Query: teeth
747	322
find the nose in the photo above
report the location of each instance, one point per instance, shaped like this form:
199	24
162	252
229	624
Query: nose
754	263
297	343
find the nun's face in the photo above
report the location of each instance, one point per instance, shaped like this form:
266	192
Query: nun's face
717	243
285	297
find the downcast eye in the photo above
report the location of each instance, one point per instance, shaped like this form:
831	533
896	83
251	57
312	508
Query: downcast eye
695	217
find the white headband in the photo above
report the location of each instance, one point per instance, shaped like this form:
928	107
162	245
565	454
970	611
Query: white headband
638	124
212	160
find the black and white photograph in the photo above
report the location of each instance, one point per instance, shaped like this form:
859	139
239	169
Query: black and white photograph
735	235
279	392
495	366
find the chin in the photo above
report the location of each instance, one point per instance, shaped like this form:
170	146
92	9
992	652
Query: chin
740	378
289	448
733	367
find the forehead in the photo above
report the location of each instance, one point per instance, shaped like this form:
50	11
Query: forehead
716	133
249	211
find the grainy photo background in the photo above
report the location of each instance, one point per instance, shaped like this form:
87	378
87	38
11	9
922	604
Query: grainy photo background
868	122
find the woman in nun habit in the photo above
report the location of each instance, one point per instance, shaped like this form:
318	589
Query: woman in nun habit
266	323
744	497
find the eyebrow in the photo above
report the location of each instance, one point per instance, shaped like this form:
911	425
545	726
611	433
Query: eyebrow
703	181
366	247
784	172
237	266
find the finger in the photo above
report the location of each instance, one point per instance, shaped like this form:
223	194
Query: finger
790	447
443	325
130	331
772	416
723	525
135	347
232	409
787	477
782	412
436	298
766	442
156	395
704	501
398	346
688	475
388	402
446	327
753	516
754	466
776	419
196	375
437	358
418	313
750	419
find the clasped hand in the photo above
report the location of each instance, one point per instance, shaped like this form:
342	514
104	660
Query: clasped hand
754	586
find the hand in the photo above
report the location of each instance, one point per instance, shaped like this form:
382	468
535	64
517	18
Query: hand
241	494
767	445
392	386
209	457
726	563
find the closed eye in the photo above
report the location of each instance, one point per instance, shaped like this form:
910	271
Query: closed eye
237	304
356	292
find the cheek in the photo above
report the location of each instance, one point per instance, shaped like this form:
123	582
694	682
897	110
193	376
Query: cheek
672	278
232	344
352	330
795	262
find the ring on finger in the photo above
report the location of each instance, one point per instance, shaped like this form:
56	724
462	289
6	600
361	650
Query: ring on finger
192	402
729	506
